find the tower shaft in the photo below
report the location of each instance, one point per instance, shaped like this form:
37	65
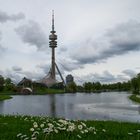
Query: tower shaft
53	64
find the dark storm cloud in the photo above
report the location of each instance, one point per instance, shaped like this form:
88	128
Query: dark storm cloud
118	41
32	34
4	17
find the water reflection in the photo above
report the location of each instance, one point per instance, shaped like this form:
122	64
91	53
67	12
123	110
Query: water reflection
52	106
104	106
1	106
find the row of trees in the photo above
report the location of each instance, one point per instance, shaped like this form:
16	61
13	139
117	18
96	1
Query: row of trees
98	87
132	85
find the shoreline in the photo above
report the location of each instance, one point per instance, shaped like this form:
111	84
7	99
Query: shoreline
5	97
134	98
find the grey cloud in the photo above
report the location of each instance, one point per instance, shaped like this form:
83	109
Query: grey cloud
2	49
32	75
32	34
13	75
16	68
44	67
118	41
68	65
4	17
105	77
129	73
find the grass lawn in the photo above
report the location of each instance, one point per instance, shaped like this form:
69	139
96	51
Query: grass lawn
4	97
134	98
43	128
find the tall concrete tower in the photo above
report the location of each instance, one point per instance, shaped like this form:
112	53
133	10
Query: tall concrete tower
50	79
53	45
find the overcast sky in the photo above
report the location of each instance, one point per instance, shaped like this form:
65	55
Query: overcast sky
98	40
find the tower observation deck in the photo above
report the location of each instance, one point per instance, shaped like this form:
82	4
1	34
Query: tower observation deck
50	79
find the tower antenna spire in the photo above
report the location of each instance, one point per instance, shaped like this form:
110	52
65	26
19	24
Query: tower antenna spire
52	20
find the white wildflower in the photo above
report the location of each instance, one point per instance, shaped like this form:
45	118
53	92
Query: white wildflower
138	131
94	132
79	136
130	133
55	130
80	127
50	129
34	138
42	125
36	132
46	130
35	126
64	128
35	123
26	138
103	130
23	136
18	135
31	129
83	124
90	128
50	125
25	119
86	131
70	128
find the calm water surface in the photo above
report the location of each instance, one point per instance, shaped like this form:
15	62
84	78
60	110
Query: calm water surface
102	106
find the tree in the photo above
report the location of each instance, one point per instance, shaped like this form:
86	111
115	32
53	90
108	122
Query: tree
88	86
1	82
98	86
71	87
134	85
9	85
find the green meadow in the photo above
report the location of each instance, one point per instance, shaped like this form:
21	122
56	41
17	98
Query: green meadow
45	128
4	97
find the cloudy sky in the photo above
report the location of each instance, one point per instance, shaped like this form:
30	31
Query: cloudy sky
98	40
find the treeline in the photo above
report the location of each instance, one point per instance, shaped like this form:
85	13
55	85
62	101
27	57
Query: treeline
98	87
131	85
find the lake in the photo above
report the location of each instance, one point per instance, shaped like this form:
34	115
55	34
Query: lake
99	106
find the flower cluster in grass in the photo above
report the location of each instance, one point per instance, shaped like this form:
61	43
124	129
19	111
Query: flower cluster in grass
45	127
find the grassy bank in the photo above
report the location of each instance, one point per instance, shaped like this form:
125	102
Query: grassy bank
4	97
134	98
41	128
49	91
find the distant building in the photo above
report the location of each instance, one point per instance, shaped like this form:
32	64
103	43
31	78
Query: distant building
69	79
25	82
26	86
